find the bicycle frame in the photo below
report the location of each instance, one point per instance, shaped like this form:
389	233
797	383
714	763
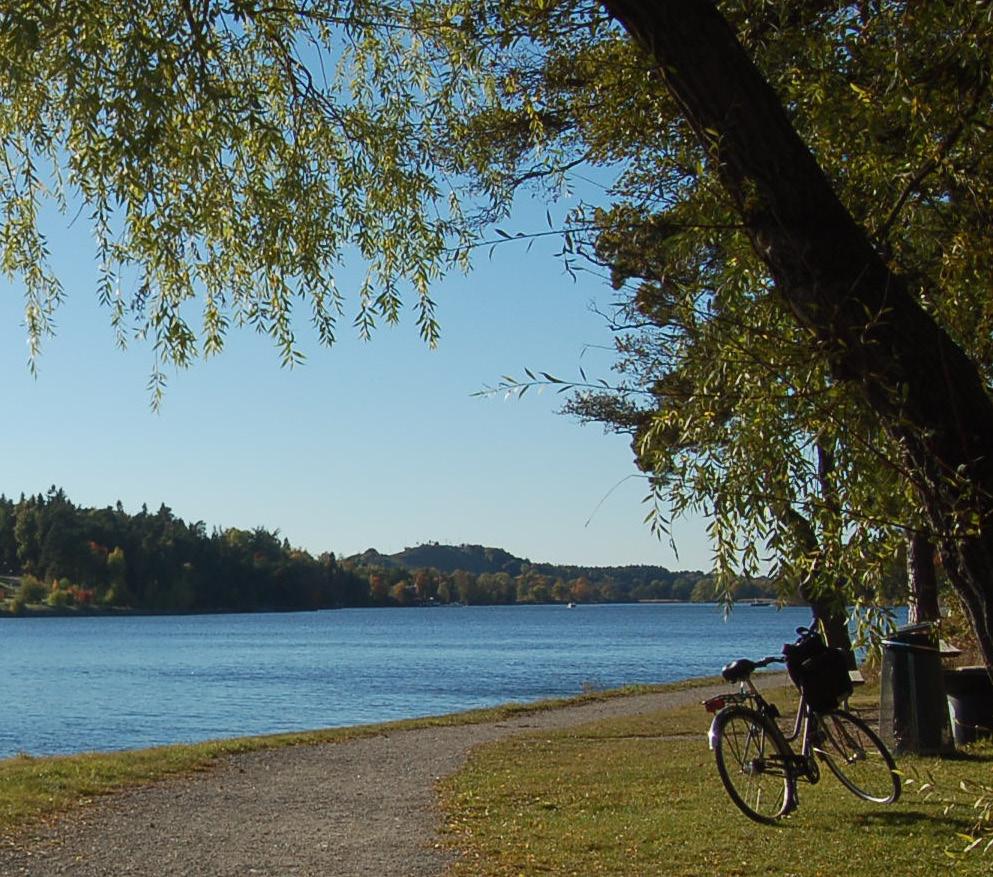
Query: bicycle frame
802	764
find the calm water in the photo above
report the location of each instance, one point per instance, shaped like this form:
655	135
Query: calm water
73	684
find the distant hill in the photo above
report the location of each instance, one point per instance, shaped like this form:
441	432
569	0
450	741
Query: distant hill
479	574
478	559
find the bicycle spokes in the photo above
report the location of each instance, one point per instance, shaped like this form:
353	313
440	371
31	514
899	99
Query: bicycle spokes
752	764
857	757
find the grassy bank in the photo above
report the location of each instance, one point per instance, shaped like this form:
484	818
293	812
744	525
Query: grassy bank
641	796
33	789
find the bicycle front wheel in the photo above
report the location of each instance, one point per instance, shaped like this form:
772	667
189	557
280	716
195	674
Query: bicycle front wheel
753	763
857	757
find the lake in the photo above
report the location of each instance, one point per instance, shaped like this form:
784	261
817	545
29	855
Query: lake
102	683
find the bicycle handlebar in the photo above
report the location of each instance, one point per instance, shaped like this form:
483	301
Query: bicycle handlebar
772	659
740	670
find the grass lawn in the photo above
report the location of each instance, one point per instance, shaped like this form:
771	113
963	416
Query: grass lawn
642	796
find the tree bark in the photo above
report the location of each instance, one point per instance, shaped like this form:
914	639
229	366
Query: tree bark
926	392
922	580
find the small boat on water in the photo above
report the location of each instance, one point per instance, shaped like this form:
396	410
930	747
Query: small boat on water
571	605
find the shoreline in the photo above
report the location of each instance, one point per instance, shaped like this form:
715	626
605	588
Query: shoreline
124	612
504	711
355	772
37	611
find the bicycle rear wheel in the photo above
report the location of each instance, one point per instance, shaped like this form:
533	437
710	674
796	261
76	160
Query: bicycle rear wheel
753	763
857	757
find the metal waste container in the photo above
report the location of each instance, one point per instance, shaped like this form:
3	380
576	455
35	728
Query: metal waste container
913	710
970	702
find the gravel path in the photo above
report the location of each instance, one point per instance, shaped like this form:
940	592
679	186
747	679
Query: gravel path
363	807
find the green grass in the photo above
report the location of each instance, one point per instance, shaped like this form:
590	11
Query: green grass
34	789
641	796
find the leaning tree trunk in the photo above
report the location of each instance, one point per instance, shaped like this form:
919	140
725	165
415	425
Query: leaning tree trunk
825	601
819	588
926	392
830	602
922	580
829	613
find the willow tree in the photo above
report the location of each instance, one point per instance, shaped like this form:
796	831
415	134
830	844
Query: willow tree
230	156
734	409
858	309
731	413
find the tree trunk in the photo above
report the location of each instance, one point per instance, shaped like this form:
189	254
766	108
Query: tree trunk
926	392
818	588
826	602
922	580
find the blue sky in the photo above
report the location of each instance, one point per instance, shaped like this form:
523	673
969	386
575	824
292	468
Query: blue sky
379	444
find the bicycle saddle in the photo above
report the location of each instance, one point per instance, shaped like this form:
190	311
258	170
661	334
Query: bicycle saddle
738	670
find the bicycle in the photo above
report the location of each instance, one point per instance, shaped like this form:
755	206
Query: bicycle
757	764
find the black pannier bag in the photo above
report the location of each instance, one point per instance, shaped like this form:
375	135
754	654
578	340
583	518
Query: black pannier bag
820	673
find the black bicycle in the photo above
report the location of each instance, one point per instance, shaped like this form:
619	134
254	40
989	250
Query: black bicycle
755	760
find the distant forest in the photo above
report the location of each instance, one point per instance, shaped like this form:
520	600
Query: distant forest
60	556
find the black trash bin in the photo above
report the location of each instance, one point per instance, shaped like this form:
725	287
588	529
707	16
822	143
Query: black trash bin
970	700
913	710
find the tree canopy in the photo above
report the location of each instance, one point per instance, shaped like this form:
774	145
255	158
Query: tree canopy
860	311
741	414
734	410
230	156
801	188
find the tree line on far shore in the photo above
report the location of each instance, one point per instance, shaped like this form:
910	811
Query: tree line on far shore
56	554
